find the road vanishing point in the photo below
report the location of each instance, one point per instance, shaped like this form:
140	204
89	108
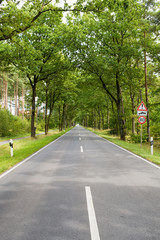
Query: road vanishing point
81	187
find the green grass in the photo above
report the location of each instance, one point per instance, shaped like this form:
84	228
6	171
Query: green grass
22	135
144	151
13	137
24	148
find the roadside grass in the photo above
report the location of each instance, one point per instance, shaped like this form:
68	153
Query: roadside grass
13	137
23	135
24	148
144	151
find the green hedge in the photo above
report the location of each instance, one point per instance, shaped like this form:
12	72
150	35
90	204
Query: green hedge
11	125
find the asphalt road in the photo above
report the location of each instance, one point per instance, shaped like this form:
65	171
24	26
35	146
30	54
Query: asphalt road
81	187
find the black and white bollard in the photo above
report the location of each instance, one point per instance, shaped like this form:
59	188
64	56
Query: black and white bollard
11	146
151	145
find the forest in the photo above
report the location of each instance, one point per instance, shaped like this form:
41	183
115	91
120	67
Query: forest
83	62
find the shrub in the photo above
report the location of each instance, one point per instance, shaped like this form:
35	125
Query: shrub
4	123
12	125
40	125
136	138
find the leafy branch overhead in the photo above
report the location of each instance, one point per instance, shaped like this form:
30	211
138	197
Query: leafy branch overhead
16	18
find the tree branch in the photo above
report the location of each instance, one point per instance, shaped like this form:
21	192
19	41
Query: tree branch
22	29
107	91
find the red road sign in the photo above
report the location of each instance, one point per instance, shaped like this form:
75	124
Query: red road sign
141	119
142	107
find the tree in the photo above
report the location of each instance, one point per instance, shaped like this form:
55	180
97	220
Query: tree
149	32
104	46
17	17
37	54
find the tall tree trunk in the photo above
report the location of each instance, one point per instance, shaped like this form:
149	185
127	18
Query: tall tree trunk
15	96
64	116
94	119
46	108
60	122
146	93
133	110
22	102
107	115
99	117
120	110
133	118
102	114
146	84
33	85
1	88
10	104
5	92
33	129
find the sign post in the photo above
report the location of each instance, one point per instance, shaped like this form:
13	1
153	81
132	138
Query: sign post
141	135
142	113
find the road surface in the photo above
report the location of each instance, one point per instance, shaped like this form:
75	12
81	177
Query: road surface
81	187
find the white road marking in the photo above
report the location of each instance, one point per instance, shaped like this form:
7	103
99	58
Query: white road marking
79	139
81	148
91	215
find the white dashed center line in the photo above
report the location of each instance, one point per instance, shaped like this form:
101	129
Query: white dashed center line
81	148
91	215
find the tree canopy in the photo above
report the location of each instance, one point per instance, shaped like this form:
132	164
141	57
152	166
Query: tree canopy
94	67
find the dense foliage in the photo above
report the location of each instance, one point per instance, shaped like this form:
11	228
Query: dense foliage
93	68
12	125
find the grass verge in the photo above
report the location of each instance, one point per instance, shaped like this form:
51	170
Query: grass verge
144	151
24	148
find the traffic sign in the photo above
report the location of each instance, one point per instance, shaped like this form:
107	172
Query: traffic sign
142	113
141	119
142	107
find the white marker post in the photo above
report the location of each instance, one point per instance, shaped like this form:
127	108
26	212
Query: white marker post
11	146
151	145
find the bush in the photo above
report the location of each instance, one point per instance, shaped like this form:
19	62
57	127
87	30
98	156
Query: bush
4	123
136	138
41	125
20	126
12	125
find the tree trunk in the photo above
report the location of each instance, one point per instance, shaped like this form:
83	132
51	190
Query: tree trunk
119	104
10	104
15	97
5	92
1	87
33	129
99	118
94	119
120	110
133	111
133	118
46	108
107	115
60	122
102	114
146	93
64	116
22	102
